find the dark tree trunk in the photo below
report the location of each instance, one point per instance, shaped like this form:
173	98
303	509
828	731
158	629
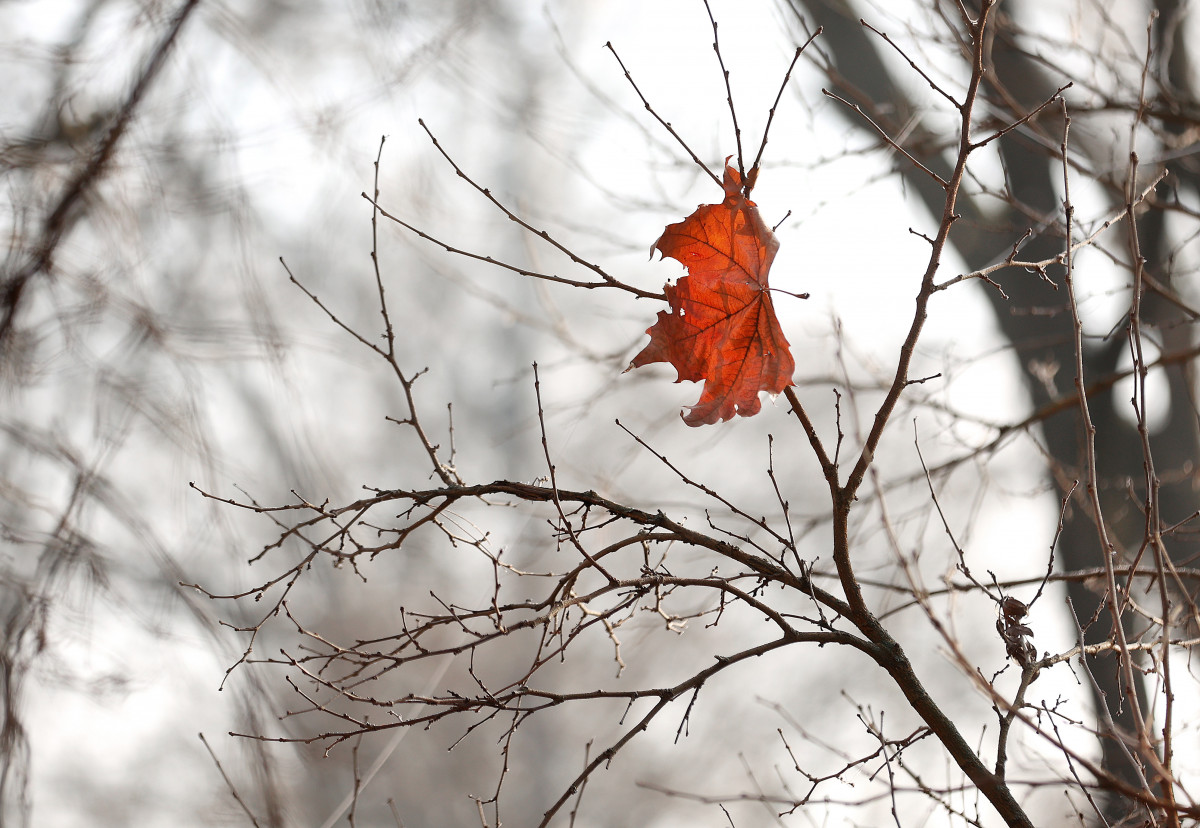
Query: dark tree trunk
1035	317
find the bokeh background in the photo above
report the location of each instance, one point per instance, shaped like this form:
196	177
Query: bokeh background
165	345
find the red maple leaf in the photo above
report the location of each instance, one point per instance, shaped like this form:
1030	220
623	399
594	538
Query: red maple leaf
721	326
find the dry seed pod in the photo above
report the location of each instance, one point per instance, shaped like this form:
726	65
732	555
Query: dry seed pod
1014	633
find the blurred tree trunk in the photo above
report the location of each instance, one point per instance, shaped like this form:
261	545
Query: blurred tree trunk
1034	317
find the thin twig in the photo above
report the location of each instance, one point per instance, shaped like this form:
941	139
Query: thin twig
915	67
887	138
737	130
667	126
388	332
608	282
564	521
752	178
229	783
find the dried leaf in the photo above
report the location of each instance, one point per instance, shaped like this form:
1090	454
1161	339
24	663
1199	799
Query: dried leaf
721	327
